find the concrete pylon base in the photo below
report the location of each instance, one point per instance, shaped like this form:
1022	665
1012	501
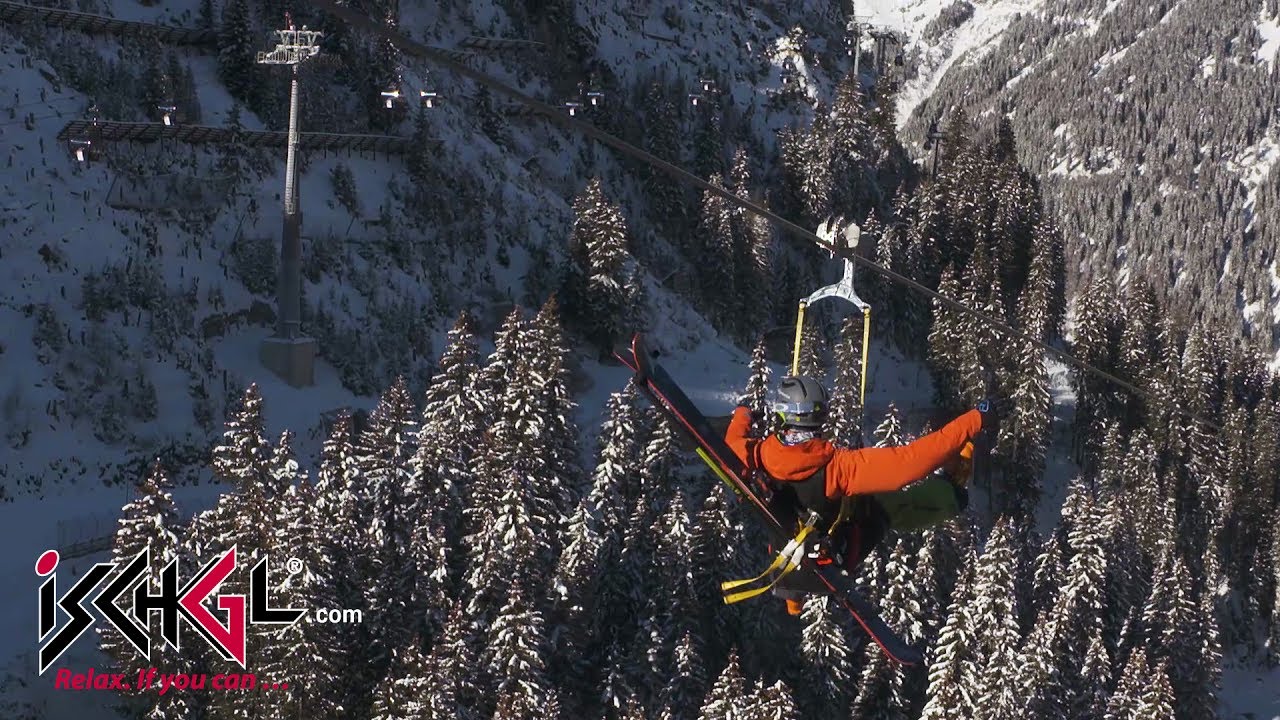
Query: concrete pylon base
292	359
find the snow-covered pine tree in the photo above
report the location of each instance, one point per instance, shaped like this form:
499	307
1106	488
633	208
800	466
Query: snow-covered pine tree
675	573
243	456
1129	691
845	426
687	685
434	591
727	699
1095	679
1181	634
1158	699
994	624
237	51
1037	675
717	552
1096	341
243	519
517	445
829	661
882	688
383	451
717	259
813	352
146	522
453	423
980	351
402	694
757	391
1139	339
1078	612
594	295
652	649
618	695
889	432
1024	436
626	582
708	141
662	138
657	461
944	353
936	570
283	477
514	657
310	654
453	694
806	161
849	141
548	363
496	556
763	252
615	500
774	702
339	493
594	538
573	591
504	366
750	256
953	657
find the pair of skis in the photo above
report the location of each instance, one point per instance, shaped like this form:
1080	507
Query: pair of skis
667	396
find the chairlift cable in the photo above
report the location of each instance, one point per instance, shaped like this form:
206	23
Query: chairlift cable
554	114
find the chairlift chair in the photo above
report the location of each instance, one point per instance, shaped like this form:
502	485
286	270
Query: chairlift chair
81	148
170	114
788	72
391	97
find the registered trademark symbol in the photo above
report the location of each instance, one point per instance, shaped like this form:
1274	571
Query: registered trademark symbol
293	565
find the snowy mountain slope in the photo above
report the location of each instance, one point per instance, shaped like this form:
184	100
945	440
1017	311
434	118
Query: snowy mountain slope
932	58
1110	105
53	202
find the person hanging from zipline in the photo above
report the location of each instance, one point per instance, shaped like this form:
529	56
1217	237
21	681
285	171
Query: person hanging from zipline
857	495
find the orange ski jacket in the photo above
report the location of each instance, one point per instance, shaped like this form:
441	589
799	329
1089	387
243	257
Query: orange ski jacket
855	472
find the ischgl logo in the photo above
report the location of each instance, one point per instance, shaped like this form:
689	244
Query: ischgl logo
174	602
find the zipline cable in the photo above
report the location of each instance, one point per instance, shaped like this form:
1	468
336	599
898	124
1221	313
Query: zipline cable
557	116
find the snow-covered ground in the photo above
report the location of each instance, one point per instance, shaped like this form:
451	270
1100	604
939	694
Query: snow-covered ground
1248	692
1269	30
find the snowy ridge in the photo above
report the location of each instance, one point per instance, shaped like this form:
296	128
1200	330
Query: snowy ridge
1269	29
965	44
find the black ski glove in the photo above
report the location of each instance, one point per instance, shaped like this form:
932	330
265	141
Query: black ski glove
989	408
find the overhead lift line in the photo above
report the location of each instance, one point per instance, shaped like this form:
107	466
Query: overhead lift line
556	115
